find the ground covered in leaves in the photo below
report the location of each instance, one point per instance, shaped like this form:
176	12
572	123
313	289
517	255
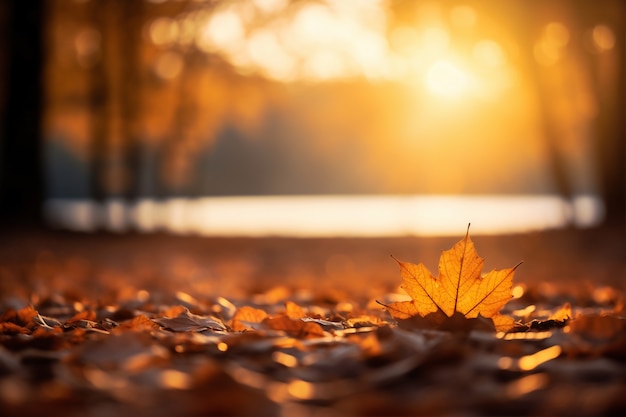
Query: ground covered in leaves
94	325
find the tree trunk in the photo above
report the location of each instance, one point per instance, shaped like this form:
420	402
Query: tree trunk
21	184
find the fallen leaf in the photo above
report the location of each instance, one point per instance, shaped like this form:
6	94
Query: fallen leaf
88	315
295	328
138	323
293	310
22	317
562	314
46	322
186	321
12	329
245	315
460	288
599	327
597	334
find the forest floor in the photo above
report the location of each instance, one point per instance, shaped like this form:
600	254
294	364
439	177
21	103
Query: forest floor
105	324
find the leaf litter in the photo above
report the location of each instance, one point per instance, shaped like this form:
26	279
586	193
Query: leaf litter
459	343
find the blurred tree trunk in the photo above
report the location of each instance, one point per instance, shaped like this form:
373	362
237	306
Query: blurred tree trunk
21	189
608	129
610	71
114	100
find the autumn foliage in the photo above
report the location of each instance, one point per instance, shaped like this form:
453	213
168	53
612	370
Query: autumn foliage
77	340
460	287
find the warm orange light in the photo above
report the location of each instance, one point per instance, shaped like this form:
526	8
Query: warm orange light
489	53
301	390
524	312
463	17
518	291
163	31
88	47
530	362
603	37
285	359
526	384
266	51
447	80
224	31
173	379
557	34
169	65
270	6
525	335
551	47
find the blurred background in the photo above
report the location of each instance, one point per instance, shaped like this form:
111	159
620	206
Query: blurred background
312	117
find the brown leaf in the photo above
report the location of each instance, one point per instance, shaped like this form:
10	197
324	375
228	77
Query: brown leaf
456	323
175	311
598	327
293	310
189	322
138	323
563	313
247	314
22	317
460	288
295	328
12	329
596	334
46	322
88	315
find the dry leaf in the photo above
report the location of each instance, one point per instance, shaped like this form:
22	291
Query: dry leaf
245	315
459	287
189	322
22	317
562	314
12	329
295	328
138	323
293	310
88	315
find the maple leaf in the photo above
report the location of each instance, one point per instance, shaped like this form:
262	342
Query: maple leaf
460	288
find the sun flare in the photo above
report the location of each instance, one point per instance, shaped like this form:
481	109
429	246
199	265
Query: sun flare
446	79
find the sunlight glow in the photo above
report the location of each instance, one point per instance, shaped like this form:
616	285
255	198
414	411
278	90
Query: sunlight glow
320	215
173	379
524	312
526	385
270	6
301	390
339	40
603	38
530	362
446	79
489	53
224	31
518	291
163	31
525	335
463	17
266	51
285	359
551	47
169	65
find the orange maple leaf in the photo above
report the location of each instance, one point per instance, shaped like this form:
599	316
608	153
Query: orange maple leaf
460	288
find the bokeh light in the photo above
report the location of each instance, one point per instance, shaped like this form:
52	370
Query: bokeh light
371	96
